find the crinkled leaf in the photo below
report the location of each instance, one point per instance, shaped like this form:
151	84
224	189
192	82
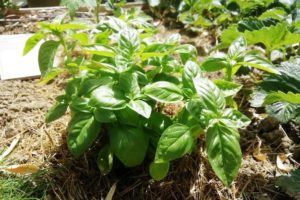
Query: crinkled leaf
282	111
289	97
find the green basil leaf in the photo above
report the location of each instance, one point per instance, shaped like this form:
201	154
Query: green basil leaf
191	71
141	107
228	88
108	98
83	38
80	104
175	142
32	42
159	171
237	48
223	150
158	122
129	41
210	94
128	84
105	160
104	116
57	111
89	85
129	144
83	131
129	117
212	64
46	56
237	118
164	92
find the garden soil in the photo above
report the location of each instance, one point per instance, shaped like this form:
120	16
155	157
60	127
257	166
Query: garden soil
24	103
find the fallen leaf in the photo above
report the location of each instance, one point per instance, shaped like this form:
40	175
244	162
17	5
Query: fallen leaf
21	169
283	162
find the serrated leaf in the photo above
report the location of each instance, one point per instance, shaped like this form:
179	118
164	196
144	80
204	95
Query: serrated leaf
129	144
46	56
163	91
32	42
106	97
223	150
174	142
141	107
105	160
282	111
259	63
289	97
83	130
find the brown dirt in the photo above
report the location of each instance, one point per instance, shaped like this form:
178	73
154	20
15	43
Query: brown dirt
23	105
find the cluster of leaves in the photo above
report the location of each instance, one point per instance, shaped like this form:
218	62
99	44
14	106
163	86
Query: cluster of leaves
280	93
121	79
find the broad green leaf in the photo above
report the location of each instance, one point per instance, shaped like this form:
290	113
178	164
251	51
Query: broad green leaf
100	50
105	160
129	117
106	97
259	63
128	84
55	27
212	64
210	94
129	41
175	142
164	92
80	104
290	183
238	120
104	116
282	111
83	130
83	38
89	85
57	110
159	171
129	144
46	56
228	88
141	107
158	122
237	48
191	71
49	76
289	97
223	150
32	42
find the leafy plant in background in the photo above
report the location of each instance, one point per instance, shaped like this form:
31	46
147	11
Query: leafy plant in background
121	78
280	93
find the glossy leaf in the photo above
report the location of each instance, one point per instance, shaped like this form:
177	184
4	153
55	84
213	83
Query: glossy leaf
237	48
164	92
175	142
212	64
104	116
129	144
105	160
47	54
83	130
32	42
223	150
228	88
191	71
282	111
141	107
159	171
